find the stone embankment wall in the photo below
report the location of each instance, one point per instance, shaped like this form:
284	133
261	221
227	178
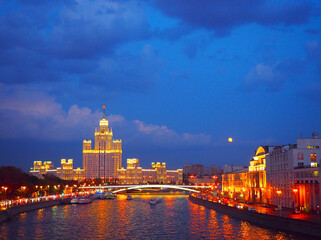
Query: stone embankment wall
13	211
279	223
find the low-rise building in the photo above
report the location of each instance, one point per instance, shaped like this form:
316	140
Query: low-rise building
234	185
134	174
65	172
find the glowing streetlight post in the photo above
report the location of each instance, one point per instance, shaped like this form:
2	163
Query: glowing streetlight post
24	190
295	190
279	192
5	192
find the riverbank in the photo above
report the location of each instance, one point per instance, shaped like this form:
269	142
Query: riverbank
13	211
279	223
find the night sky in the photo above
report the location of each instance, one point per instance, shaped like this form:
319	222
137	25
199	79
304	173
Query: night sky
178	77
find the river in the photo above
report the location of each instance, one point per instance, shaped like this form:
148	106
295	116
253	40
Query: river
173	217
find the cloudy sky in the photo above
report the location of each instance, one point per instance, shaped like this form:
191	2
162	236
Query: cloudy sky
178	77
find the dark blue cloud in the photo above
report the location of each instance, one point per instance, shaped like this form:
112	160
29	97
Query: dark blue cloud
222	16
46	41
273	77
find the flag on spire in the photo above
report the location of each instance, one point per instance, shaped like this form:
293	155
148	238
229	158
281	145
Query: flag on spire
104	116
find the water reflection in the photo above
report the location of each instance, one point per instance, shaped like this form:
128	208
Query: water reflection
174	217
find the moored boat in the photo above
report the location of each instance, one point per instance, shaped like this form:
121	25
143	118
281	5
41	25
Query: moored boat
74	200
152	201
110	196
84	200
129	197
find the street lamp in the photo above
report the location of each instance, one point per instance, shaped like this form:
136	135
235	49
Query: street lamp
295	190
279	192
24	189
5	191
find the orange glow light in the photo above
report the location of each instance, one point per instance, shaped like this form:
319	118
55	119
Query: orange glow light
295	190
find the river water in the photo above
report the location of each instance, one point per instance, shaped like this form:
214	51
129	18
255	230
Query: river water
173	217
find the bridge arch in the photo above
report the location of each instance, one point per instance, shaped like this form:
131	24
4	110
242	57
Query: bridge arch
155	186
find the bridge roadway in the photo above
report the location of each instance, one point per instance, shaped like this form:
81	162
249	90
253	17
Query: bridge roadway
190	188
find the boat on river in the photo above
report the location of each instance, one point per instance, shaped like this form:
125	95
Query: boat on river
74	200
129	197
85	200
152	201
110	196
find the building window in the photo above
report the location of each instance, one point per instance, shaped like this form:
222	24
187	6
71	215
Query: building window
300	164
313	157
314	164
300	156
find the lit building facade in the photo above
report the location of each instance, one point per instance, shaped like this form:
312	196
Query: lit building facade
293	174
134	174
104	160
65	172
234	185
250	183
256	176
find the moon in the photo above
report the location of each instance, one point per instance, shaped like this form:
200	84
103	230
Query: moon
230	139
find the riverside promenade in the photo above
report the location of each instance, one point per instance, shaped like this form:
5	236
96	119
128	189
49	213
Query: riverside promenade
291	225
15	210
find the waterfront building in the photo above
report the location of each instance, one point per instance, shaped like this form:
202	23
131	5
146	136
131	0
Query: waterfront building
248	184
234	185
134	174
205	180
256	176
286	175
65	172
293	174
104	160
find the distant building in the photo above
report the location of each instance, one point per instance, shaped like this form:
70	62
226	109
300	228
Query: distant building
232	168
193	169
213	170
199	170
65	172
105	159
134	174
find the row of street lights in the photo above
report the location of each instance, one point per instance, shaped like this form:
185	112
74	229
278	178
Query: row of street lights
24	188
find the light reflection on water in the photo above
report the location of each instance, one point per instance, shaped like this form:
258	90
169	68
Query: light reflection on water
173	217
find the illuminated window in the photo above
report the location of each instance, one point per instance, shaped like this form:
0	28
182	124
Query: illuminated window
313	157
300	156
314	164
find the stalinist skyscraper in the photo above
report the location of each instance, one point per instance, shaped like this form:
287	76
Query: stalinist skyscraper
104	160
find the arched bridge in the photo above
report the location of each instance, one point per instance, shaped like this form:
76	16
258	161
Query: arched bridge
122	188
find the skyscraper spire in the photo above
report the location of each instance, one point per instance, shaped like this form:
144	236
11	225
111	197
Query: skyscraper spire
104	115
